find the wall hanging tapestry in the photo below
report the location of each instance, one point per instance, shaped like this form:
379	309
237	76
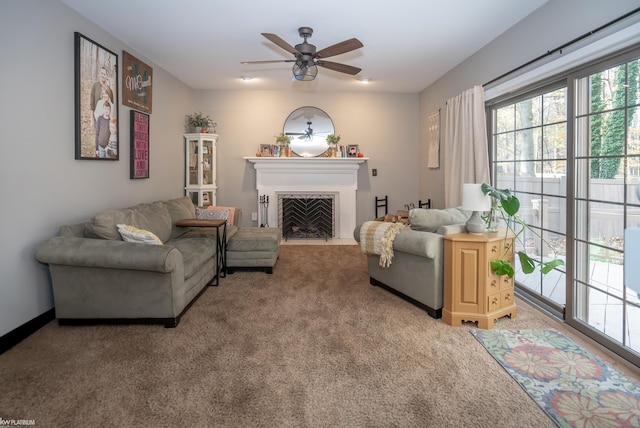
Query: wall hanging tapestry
433	140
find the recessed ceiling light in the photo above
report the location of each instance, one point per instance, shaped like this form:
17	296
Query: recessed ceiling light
365	80
246	78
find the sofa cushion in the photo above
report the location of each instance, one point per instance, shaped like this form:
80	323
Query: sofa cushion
104	225
195	252
153	217
249	239
133	234
429	220
180	209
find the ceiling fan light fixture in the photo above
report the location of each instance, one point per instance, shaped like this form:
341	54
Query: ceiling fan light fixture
308	59
303	71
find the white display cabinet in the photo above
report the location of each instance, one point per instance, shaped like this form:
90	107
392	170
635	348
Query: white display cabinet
200	168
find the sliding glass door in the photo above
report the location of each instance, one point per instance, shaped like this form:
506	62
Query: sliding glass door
530	159
570	151
607	172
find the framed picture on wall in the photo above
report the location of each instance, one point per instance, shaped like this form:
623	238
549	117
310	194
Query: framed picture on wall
139	145
96	101
137	89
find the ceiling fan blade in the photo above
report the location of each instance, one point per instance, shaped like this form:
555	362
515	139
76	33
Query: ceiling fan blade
278	41
339	48
342	68
268	61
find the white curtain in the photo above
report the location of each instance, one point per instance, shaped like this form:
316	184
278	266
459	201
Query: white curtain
466	156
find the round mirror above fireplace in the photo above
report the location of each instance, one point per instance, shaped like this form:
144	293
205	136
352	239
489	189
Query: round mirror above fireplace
308	128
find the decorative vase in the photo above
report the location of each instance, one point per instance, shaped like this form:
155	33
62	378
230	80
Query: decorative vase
198	129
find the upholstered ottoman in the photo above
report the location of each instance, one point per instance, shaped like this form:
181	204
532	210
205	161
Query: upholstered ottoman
253	248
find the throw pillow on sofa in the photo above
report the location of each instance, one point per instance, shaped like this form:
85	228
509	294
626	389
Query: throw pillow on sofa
133	234
207	214
429	220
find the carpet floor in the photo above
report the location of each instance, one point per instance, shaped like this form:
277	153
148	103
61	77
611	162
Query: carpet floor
313	345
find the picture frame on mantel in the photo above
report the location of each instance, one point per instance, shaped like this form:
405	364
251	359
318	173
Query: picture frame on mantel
265	150
96	100
139	166
352	151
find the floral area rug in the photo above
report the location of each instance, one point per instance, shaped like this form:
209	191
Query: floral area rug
572	386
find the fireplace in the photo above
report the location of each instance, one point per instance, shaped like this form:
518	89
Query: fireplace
336	177
305	216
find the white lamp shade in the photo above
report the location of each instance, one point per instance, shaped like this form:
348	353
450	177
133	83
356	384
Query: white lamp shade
473	199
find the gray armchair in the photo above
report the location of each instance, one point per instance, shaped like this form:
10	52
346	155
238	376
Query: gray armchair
417	269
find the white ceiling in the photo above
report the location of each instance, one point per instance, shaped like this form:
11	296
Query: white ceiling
408	44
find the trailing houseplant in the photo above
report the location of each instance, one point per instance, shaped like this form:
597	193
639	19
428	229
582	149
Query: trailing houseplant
506	205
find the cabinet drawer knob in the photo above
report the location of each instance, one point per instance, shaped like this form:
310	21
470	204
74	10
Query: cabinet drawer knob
494	284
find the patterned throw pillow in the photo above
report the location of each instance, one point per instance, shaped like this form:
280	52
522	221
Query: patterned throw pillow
232	211
209	214
133	234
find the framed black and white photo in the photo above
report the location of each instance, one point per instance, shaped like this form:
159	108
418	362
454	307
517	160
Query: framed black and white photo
96	101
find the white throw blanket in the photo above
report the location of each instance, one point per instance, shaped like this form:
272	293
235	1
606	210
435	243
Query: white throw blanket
376	237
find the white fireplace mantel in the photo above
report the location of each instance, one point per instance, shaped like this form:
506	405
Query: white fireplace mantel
300	175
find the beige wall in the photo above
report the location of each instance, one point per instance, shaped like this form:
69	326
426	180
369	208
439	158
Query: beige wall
41	184
385	126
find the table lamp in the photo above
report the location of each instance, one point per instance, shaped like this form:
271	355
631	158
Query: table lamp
474	200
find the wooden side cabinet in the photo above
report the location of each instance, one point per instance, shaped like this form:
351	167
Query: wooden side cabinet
471	291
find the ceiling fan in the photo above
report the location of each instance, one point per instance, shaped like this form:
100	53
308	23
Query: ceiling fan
307	59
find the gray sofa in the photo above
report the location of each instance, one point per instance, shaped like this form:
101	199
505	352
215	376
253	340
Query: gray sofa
417	268
98	277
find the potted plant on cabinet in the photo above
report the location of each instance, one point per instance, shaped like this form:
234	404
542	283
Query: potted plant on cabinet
198	122
506	206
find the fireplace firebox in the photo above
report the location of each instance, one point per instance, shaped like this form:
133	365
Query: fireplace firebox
307	216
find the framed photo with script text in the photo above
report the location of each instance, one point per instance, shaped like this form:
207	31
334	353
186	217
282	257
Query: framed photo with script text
139	145
96	101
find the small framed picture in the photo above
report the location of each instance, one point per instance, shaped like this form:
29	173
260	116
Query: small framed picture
352	151
265	150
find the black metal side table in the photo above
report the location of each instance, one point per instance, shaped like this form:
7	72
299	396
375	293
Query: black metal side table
221	249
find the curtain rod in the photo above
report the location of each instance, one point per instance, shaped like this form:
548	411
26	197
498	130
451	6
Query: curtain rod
560	48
